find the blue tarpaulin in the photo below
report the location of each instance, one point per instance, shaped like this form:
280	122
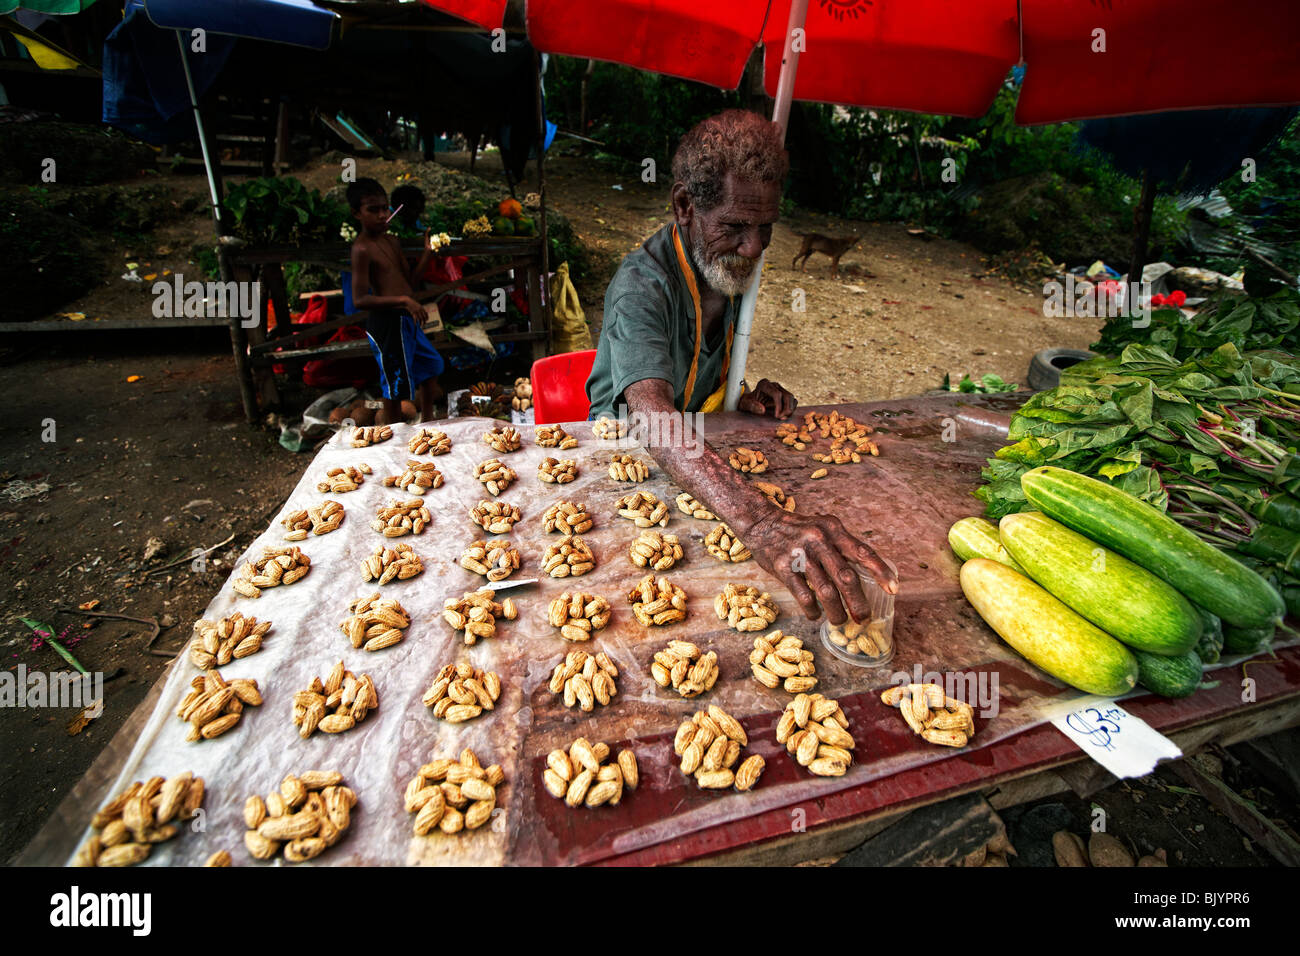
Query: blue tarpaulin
144	85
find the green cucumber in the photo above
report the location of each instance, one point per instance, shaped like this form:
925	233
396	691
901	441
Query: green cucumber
978	538
1245	640
1150	538
1046	632
1291	598
1121	598
1210	646
1169	676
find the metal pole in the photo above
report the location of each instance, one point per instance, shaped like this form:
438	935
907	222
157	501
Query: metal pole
780	116
203	139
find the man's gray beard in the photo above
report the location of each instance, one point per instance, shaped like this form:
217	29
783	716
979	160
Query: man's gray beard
716	274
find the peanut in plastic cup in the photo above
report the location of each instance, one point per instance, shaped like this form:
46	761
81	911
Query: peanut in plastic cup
869	642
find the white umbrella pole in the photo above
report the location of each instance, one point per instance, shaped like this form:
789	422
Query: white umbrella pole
780	116
203	139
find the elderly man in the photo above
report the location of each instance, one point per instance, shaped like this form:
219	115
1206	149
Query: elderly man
670	311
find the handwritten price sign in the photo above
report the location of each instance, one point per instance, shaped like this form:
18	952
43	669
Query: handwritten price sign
1125	745
1099	726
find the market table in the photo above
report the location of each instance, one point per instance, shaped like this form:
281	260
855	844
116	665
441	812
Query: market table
931	449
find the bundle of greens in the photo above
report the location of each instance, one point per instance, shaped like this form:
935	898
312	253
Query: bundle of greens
1211	440
1251	324
987	384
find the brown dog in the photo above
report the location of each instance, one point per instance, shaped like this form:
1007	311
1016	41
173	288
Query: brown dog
816	242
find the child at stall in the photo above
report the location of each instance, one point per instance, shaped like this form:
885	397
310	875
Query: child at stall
384	283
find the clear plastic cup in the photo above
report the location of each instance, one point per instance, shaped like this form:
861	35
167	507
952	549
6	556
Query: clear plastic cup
870	642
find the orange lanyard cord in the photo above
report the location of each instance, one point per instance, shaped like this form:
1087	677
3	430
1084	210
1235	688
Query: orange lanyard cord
699	320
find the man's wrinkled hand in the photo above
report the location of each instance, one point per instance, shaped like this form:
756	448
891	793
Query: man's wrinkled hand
815	557
768	398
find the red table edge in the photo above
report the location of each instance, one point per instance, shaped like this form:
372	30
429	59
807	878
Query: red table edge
1039	748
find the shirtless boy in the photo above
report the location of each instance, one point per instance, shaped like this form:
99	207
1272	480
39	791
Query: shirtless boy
383	283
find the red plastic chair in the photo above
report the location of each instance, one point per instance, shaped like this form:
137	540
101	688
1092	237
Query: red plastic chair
560	387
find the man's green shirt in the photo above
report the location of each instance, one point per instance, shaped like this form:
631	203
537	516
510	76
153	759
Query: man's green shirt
649	331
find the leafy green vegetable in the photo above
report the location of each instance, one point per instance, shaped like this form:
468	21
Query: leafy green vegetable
1212	438
987	384
1249	324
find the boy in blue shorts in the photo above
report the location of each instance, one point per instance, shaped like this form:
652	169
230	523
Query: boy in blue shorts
384	283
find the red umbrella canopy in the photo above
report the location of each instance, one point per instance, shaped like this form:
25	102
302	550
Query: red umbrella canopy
1152	56
486	13
930	56
1084	58
694	39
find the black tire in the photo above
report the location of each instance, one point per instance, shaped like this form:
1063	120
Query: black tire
1045	367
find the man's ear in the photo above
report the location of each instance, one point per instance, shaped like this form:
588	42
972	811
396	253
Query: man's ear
683	207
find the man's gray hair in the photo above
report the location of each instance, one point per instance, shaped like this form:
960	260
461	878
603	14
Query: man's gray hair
736	141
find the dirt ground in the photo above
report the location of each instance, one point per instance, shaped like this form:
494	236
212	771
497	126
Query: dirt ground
94	466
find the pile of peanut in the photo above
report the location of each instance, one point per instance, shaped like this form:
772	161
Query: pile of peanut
710	744
655	550
461	692
585	680
628	468
418	478
774	494
842	430
503	439
322	519
213	706
868	638
567	518
476	613
335	706
578	614
400	562
936	717
402	517
496	560
453	795
428	441
231	638
816	732
657	601
569	557
748	461
778	658
582	776
554	436
688	505
138	817
339	480
494	517
681	666
838	456
609	429
557	471
307	815
372	435
723	544
276	566
643	509
744	608
495	476
523	397
376	623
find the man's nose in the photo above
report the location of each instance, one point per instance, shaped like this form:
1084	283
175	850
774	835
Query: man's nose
751	243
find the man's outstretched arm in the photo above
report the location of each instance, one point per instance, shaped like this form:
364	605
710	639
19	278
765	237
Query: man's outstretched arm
780	541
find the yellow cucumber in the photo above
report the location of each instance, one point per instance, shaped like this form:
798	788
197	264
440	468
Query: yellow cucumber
1124	600
1046	632
978	538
